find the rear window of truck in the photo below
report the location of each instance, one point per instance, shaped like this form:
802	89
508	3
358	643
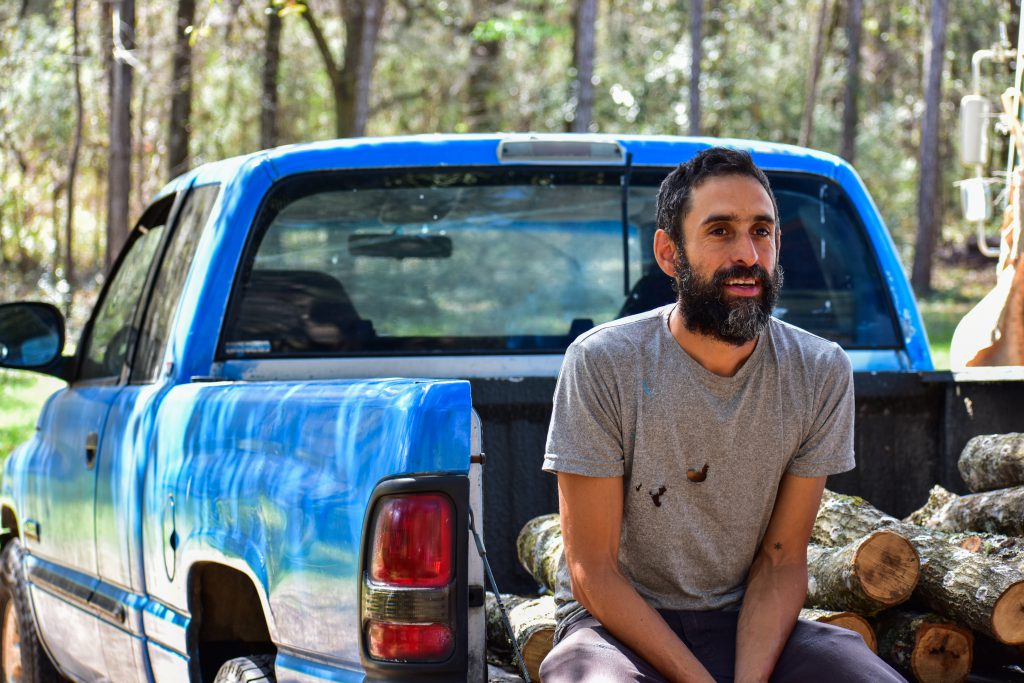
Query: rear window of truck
510	260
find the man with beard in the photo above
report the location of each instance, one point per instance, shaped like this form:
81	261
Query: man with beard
692	444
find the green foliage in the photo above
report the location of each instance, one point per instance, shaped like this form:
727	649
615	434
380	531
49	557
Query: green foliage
21	396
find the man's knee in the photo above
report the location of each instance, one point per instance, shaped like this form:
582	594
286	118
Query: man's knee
815	648
589	654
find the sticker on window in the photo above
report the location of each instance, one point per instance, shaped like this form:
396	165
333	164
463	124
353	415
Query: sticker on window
245	348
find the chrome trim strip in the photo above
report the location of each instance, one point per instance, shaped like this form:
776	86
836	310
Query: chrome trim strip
427	367
75	592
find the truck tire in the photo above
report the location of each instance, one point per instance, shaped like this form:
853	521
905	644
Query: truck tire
22	657
251	669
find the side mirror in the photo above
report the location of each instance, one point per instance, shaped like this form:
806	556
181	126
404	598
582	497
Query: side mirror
975	112
31	336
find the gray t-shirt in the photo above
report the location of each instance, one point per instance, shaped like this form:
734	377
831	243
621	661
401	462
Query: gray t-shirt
631	403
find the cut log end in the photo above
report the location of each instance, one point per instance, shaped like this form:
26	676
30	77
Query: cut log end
1008	615
972	544
859	625
535	649
943	653
888	567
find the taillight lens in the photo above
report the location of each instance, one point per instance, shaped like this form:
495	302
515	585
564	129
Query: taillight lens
410	642
412	541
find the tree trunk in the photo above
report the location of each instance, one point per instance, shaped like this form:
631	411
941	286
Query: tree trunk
986	595
854	21
866	576
533	623
813	73
350	81
928	647
697	54
848	620
929	214
540	549
582	87
76	146
119	169
271	68
178	127
993	461
363	20
482	114
998	512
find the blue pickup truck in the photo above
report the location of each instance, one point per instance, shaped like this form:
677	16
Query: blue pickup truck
315	371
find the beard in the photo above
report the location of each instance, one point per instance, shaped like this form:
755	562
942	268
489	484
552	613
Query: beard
707	309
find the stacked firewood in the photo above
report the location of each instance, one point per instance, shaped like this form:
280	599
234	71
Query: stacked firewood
920	591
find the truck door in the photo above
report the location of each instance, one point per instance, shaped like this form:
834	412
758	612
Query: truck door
60	480
129	434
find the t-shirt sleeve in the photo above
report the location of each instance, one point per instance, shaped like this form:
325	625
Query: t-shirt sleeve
827	447
585	435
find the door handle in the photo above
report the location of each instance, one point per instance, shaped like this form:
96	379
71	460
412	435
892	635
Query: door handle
92	440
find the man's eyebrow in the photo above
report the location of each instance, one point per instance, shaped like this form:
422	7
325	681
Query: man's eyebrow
734	218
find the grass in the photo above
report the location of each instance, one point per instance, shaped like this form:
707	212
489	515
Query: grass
21	396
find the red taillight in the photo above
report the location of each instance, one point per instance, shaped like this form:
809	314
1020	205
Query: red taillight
410	642
412	541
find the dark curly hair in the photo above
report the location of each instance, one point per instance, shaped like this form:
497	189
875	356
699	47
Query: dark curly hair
677	188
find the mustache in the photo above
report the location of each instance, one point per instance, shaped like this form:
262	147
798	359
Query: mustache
756	272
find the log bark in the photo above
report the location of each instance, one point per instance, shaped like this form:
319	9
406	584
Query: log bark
1006	549
533	623
980	592
540	549
926	646
499	648
866	576
993	461
938	498
997	512
848	620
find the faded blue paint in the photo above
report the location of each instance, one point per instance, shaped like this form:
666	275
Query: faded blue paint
275	478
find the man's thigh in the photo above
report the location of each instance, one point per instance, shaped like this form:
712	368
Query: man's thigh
589	654
815	650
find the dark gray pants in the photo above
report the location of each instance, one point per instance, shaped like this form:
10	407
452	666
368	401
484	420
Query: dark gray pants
815	652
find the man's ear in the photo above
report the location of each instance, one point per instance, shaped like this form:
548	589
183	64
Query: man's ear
665	252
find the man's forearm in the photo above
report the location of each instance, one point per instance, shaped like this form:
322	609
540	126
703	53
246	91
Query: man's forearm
770	609
613	601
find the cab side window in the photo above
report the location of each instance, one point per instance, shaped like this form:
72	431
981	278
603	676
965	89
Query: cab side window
111	333
170	282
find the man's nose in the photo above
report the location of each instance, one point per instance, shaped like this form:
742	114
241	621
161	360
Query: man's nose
744	251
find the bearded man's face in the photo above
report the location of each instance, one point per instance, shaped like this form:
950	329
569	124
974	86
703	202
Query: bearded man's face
710	310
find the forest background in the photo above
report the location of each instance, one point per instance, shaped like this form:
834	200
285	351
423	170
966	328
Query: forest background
103	101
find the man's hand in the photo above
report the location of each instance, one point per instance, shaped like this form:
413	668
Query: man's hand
591	516
777	583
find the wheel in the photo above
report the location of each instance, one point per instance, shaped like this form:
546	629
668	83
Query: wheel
22	658
251	669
